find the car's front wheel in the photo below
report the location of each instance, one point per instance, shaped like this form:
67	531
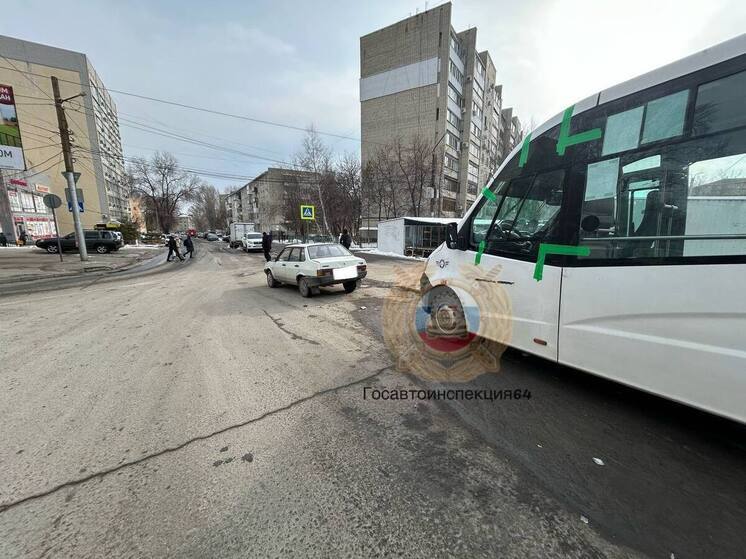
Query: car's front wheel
271	281
102	249
304	287
350	286
52	249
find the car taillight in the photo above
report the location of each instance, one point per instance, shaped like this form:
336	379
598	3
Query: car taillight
323	272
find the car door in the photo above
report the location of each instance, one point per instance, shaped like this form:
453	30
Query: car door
68	242
280	268
526	212
293	265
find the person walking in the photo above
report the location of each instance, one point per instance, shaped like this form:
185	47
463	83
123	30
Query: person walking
189	246
345	239
173	248
3	240
22	238
266	245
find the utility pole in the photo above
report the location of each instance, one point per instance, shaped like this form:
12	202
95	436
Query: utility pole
69	169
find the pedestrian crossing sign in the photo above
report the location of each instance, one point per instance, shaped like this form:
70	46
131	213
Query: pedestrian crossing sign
308	212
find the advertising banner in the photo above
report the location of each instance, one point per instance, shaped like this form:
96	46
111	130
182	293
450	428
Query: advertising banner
11	150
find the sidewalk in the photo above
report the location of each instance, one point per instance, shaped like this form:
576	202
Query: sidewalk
18	264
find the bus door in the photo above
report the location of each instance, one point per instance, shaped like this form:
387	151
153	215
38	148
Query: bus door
656	303
525	213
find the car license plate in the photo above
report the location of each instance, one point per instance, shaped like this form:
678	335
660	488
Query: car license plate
348	272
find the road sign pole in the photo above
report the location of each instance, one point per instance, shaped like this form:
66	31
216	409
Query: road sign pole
57	232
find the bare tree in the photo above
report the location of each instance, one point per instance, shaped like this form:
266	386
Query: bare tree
315	157
207	208
163	186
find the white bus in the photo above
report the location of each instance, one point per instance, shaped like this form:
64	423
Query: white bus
650	176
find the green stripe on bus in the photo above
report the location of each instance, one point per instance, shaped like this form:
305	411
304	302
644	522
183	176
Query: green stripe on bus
546	248
565	140
478	257
524	150
487	193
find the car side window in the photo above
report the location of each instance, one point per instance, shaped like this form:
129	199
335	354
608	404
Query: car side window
91	234
302	254
293	256
284	255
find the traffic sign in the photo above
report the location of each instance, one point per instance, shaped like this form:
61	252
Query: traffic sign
79	192
52	201
308	212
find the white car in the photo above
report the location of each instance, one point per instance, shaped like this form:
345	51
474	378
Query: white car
251	241
313	265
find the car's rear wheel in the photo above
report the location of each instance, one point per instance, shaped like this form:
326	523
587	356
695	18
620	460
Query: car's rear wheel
102	249
52	249
304	287
271	281
350	286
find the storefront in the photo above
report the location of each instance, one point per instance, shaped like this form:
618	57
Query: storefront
28	212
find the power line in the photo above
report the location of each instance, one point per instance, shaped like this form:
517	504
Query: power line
202	109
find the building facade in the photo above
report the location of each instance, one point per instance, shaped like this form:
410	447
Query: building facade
28	67
267	201
419	78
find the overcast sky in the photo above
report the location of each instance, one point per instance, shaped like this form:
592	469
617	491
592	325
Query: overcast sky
298	62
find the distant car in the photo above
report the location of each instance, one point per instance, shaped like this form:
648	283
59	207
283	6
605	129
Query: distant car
99	241
211	237
313	265
252	241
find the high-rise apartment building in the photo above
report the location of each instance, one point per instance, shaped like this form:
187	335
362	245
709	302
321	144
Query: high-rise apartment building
419	78
27	67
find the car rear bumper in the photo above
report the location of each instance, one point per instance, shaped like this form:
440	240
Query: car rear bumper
321	282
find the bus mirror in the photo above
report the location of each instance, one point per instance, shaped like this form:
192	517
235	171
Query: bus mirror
555	198
590	223
452	235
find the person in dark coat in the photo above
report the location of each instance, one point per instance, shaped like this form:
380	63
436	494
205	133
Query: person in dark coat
189	245
22	238
3	240
173	248
345	239
266	245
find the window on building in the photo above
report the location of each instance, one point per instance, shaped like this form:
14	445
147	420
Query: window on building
473	172
449	205
450	163
454	119
454	95
455	73
15	200
27	201
453	141
450	185
475	129
479	90
474	148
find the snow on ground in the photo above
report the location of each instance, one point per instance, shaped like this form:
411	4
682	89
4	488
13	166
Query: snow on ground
389	254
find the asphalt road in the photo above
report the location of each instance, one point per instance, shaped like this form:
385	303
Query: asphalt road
198	413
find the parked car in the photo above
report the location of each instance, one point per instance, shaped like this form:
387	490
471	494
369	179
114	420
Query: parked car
100	241
312	265
211	237
251	241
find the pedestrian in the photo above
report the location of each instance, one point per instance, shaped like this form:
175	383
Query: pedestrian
266	245
345	239
173	248
3	239
22	238
189	246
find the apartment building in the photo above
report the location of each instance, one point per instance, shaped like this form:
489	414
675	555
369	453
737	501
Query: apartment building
27	67
265	200
421	78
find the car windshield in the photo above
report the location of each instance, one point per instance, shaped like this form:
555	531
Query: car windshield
327	251
254	236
